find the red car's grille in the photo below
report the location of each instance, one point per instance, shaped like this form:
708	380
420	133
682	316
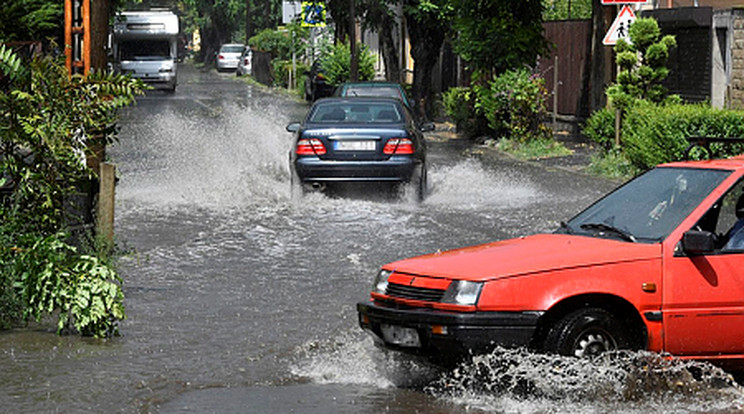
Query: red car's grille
415	293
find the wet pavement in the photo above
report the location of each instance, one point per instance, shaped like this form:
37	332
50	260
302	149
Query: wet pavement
242	299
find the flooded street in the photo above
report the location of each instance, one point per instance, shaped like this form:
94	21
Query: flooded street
241	299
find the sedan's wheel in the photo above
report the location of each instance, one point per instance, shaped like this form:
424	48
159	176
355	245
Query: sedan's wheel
587	333
296	189
422	184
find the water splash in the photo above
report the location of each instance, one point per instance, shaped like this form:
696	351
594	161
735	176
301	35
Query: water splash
632	382
468	185
238	157
519	381
350	358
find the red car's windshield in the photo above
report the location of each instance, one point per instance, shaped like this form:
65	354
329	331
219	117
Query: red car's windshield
649	207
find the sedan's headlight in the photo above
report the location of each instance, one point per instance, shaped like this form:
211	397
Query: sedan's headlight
381	281
462	292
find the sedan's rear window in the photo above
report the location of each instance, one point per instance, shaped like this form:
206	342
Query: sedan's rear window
232	49
377	91
356	112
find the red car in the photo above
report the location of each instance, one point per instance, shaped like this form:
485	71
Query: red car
658	264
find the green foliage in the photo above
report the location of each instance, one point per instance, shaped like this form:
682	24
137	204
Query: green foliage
494	36
514	105
283	68
641	65
47	122
31	20
566	9
654	134
279	42
336	63
533	149
52	276
613	164
459	105
600	128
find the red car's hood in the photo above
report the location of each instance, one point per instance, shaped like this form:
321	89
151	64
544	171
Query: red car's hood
526	255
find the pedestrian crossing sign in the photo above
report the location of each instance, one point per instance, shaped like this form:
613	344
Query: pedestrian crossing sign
313	14
619	28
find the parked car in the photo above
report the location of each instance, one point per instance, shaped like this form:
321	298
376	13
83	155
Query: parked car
358	140
228	56
654	265
388	89
316	84
244	62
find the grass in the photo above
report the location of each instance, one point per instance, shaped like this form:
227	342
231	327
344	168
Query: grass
612	164
533	149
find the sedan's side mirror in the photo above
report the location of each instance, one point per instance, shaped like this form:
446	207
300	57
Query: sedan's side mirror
293	127
696	242
427	127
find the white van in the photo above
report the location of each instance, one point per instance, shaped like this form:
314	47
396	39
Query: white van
145	45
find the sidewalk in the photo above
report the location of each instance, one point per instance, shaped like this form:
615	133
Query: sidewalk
580	158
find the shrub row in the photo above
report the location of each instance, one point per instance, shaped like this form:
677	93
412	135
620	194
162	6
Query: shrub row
652	134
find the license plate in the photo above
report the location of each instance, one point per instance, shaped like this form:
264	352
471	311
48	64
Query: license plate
355	145
398	335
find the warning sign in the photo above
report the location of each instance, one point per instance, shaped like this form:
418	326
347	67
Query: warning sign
313	14
619	28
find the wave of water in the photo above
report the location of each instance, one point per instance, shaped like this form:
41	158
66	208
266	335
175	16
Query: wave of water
519	381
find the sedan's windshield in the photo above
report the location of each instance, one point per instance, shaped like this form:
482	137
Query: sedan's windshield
649	207
356	112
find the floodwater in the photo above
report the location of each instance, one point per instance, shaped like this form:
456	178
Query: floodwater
241	299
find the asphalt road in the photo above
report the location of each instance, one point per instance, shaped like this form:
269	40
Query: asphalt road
241	299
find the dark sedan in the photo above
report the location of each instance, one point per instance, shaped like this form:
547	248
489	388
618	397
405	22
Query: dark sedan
358	140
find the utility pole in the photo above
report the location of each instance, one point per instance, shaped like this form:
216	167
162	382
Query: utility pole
86	41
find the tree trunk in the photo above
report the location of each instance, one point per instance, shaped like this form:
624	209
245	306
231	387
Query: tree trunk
390	53
427	36
248	21
354	64
602	65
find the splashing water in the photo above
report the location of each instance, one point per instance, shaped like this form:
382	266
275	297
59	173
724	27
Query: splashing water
237	158
519	381
632	382
468	184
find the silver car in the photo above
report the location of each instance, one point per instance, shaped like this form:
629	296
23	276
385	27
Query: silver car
244	62
228	56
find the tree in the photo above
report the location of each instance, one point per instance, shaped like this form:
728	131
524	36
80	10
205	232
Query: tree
428	23
642	65
566	9
218	20
494	36
379	15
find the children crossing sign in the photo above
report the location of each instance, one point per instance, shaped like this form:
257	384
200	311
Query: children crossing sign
619	28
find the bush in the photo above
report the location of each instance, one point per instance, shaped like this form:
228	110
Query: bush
600	128
654	134
336	63
459	105
279	42
48	120
514	105
281	70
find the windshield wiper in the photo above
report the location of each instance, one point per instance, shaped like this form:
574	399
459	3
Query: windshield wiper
606	227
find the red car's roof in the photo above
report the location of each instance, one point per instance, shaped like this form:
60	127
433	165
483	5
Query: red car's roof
525	255
733	163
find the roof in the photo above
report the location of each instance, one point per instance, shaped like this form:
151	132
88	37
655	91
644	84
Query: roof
733	163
